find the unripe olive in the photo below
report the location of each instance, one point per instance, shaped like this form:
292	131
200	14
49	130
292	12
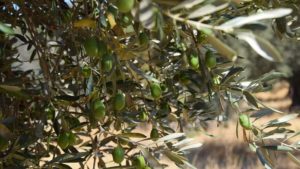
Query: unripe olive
163	87
154	135
63	140
201	36
194	61
107	63
3	143
119	101
126	20
98	109
155	90
210	59
143	116
102	48
86	71
245	121
94	47
125	5
91	46
72	139
118	154
216	80
143	39
139	162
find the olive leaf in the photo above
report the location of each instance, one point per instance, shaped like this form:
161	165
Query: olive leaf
222	48
187	4
6	29
174	157
206	10
283	119
262	159
260	46
134	135
250	98
150	158
243	20
192	146
171	137
278	148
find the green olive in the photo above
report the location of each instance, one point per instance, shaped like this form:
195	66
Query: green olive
154	135
210	59
126	20
155	90
139	162
245	121
94	47
3	143
125	5
143	116
194	61
119	101
91	46
98	110
216	80
107	63
143	39
163	87
86	71
201	36
72	139
102	48
118	154
63	140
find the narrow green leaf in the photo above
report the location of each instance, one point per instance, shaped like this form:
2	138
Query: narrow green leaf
70	157
221	47
250	98
150	158
134	135
243	20
187	4
261	113
192	146
263	159
261	46
283	119
278	148
171	137
183	142
174	157
206	10
6	29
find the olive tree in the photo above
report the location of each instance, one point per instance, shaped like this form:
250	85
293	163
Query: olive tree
78	78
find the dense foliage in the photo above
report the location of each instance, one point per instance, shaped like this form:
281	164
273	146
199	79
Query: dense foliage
78	77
